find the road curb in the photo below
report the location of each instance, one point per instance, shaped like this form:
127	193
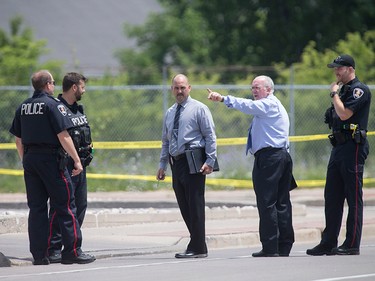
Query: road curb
16	222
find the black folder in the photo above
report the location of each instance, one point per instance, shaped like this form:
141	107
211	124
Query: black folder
196	158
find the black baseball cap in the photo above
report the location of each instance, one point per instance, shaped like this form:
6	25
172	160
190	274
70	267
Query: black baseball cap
342	60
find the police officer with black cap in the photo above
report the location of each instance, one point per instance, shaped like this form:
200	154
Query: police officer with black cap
348	118
73	87
42	140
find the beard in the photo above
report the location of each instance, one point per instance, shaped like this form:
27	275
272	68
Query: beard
78	95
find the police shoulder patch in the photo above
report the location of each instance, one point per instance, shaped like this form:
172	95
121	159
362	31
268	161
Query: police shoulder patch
357	93
62	109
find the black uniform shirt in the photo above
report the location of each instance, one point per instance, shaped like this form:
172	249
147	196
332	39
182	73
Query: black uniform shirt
80	132
356	96
39	119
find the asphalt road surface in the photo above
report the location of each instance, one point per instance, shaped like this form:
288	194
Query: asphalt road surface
221	265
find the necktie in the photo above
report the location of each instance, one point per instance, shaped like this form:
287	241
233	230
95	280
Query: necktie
249	142
173	147
177	117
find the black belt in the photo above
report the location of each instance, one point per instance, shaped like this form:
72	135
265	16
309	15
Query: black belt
40	149
266	149
179	157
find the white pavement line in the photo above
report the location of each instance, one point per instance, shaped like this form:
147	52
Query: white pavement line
112	267
347	277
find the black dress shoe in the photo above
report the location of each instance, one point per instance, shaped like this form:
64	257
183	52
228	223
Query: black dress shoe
261	254
42	261
189	255
54	257
81	259
344	250
320	250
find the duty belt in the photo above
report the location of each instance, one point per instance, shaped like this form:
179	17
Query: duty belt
343	136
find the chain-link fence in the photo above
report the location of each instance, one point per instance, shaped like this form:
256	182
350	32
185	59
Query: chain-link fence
134	114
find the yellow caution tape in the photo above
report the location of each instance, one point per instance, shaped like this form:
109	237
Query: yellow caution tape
210	181
238	184
7	145
157	144
11	172
127	145
308	138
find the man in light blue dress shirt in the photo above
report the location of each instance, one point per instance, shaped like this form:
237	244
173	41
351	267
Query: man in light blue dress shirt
193	129
272	171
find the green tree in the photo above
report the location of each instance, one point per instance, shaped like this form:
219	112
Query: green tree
180	36
221	36
19	55
291	24
312	68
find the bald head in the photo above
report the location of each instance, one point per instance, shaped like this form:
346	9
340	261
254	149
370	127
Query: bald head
180	77
42	80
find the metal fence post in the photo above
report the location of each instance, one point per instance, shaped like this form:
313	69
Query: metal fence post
292	111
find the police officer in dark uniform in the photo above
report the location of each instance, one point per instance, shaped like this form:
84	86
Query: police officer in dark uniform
348	118
73	86
42	140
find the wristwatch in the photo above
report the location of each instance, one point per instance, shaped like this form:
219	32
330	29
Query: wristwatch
332	94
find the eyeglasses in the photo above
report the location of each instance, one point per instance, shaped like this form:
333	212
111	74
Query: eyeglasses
257	88
52	82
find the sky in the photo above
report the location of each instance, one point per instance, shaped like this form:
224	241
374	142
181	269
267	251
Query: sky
82	33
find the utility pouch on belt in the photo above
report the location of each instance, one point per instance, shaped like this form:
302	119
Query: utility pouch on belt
359	136
332	139
86	160
85	153
62	159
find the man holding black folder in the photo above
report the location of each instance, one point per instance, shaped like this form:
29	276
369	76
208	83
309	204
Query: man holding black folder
188	133
272	171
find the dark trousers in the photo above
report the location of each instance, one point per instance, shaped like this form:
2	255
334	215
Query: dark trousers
345	181
189	190
272	176
80	195
45	181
